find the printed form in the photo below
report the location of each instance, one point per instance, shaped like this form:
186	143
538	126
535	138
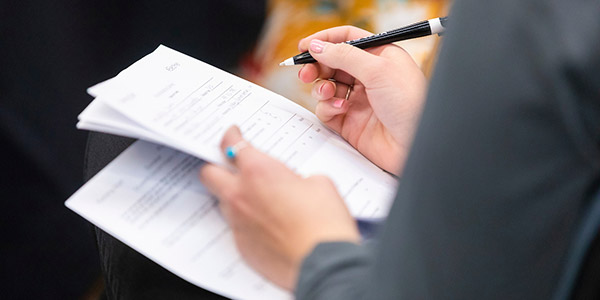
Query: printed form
150	197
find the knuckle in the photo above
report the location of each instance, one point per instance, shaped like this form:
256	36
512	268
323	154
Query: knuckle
231	195
346	28
255	169
344	51
372	71
316	87
319	111
323	112
239	207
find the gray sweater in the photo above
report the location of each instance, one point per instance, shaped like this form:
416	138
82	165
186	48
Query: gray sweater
504	167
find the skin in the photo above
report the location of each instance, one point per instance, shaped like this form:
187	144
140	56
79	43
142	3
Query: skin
380	116
273	222
278	217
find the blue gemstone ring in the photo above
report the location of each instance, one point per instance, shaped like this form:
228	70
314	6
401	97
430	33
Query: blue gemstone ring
232	151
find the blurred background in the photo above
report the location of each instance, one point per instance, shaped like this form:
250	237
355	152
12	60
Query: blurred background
51	51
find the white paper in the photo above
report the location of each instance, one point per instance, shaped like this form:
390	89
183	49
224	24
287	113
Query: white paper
175	100
150	197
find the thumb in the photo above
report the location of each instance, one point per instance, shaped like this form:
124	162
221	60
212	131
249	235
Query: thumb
360	64
246	158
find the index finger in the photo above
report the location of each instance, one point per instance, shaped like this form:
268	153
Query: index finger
334	35
216	179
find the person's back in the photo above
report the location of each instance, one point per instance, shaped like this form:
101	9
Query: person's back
503	166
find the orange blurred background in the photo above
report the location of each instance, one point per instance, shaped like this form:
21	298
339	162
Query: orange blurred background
288	21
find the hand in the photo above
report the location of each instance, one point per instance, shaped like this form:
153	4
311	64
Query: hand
381	113
276	216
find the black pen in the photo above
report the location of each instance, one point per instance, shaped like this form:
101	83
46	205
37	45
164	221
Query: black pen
416	30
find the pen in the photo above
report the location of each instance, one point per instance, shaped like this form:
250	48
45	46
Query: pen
416	30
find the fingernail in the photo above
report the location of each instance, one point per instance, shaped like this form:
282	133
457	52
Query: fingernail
338	103
317	46
320	91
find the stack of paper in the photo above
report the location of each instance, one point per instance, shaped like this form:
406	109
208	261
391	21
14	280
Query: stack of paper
150	198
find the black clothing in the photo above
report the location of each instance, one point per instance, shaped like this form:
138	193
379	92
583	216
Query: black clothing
50	52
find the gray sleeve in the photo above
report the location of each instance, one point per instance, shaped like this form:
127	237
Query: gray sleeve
504	164
335	270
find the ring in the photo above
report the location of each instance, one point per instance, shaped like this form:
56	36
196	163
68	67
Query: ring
232	151
348	92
